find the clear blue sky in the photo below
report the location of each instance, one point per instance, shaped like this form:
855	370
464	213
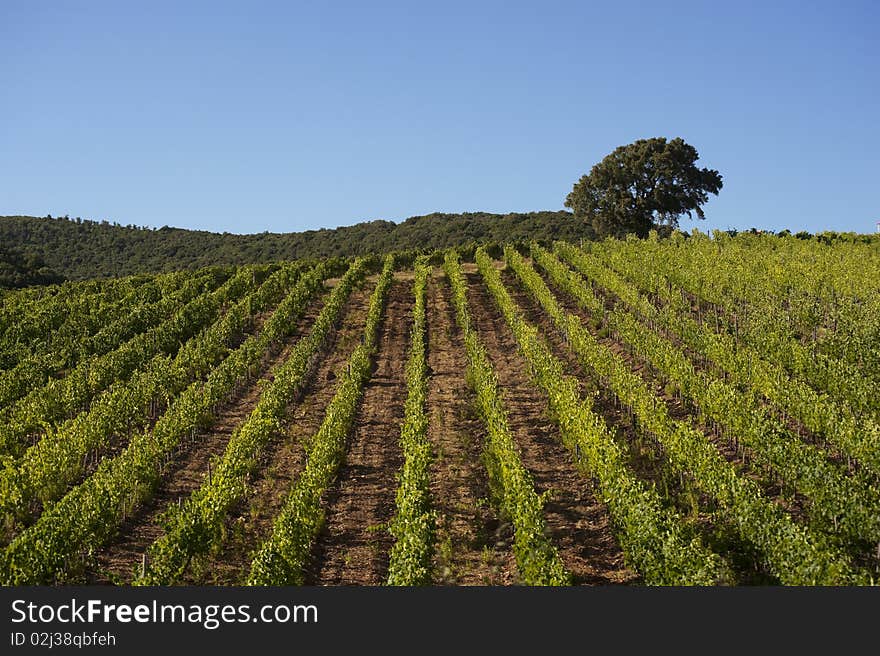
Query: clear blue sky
286	116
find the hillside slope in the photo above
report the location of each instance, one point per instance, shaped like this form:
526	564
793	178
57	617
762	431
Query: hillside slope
79	249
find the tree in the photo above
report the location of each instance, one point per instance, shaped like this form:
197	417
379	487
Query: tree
647	184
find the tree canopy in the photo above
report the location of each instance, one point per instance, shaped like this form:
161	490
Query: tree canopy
20	270
647	184
79	248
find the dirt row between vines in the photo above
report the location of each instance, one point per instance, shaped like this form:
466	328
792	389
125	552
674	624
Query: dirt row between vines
471	546
694	505
354	544
117	562
115	443
682	409
703	315
578	522
645	456
250	523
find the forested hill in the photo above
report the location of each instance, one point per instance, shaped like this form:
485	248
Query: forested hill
17	270
77	249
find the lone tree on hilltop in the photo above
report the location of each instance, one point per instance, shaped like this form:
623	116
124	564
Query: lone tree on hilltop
646	184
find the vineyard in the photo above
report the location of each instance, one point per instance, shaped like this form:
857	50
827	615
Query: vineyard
696	410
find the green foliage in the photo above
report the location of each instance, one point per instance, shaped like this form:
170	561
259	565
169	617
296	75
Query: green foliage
775	338
199	523
643	185
796	555
413	526
80	250
280	560
767	298
20	270
84	518
32	399
43	470
654	539
536	556
845	506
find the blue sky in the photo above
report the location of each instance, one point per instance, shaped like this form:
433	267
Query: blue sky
286	116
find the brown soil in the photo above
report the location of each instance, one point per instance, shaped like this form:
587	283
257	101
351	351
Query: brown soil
113	445
645	456
704	314
283	459
694	505
116	443
118	561
578	523
354	543
471	547
683	409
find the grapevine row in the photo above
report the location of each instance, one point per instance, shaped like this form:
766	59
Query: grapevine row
857	437
30	325
850	380
414	524
282	557
140	312
198	523
91	512
45	469
654	539
792	553
536	557
68	396
836	500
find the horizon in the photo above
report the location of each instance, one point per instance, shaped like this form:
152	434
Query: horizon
288	118
681	228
